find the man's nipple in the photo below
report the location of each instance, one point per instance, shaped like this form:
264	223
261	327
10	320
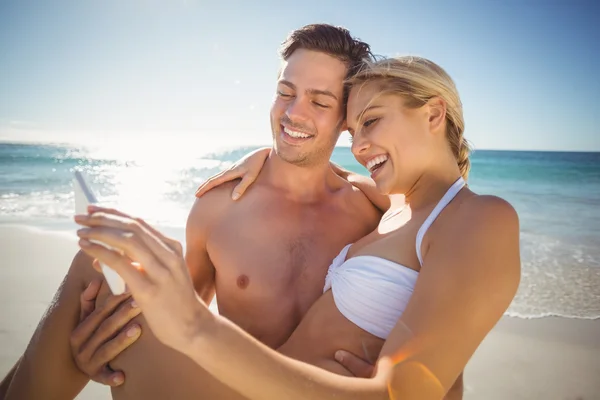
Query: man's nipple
243	281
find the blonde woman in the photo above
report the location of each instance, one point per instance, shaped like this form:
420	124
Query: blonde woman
421	291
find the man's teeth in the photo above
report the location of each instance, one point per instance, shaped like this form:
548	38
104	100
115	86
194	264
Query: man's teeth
375	162
295	134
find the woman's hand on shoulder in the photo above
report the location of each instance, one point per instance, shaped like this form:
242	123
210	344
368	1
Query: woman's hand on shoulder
247	168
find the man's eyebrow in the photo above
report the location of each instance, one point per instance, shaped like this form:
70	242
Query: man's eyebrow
310	91
288	84
322	93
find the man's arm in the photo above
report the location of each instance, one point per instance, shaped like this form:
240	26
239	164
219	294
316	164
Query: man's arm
199	223
104	332
47	370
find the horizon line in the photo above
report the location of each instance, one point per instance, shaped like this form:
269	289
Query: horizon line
257	145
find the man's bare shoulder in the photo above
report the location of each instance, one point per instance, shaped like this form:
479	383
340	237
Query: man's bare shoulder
364	188
357	202
211	206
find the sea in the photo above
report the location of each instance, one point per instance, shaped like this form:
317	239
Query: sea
556	194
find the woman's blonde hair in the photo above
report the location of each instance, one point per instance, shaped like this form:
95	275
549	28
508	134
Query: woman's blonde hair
418	80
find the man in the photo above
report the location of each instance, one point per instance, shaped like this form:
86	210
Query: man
265	256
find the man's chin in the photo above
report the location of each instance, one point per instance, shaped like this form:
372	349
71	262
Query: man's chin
291	154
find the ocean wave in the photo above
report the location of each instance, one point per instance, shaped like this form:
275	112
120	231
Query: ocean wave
559	242
539	315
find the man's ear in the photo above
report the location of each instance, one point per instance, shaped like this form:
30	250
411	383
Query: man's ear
343	126
437	113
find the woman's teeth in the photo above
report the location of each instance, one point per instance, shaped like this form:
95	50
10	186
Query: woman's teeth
376	162
296	134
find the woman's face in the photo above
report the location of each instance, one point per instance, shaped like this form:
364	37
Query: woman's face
389	139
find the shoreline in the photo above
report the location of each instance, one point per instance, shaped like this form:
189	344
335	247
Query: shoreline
522	358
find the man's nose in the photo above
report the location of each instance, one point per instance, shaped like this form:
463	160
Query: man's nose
297	110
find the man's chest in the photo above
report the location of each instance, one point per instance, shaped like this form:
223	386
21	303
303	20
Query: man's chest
276	249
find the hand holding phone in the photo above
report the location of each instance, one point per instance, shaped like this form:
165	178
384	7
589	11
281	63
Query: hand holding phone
84	197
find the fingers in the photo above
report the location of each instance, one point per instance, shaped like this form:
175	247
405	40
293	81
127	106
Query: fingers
111	326
117	241
250	164
227	175
97	266
88	326
111	349
172	243
126	235
87	299
239	190
108	377
357	366
210	183
135	279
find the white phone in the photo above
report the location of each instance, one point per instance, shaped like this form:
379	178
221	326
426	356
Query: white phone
84	197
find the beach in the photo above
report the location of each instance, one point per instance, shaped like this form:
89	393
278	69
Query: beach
541	358
547	346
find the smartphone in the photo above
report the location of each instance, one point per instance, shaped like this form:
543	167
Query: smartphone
84	197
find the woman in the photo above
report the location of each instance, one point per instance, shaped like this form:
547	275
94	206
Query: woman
422	290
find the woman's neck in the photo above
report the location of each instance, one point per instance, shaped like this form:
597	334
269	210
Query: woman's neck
432	185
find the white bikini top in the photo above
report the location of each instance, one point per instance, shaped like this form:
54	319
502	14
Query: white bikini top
373	292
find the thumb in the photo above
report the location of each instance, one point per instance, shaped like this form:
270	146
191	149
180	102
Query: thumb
241	187
96	265
357	366
110	378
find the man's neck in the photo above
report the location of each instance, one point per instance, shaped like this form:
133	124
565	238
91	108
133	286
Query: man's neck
302	183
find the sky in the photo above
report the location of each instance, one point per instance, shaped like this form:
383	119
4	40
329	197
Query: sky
204	72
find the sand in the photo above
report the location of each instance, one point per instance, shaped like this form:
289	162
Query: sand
548	358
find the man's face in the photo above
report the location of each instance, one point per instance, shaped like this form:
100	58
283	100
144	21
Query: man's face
307	113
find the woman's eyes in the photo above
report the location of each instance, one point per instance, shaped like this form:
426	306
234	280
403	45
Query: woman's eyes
365	124
369	122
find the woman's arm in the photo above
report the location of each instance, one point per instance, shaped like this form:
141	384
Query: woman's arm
260	373
467	281
249	166
470	274
366	185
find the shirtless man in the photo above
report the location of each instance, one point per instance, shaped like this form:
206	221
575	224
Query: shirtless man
265	255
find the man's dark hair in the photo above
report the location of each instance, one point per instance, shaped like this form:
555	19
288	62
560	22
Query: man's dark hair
332	40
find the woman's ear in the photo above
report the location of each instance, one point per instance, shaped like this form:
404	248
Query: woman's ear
437	113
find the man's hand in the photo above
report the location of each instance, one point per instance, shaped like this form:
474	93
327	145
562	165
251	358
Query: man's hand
357	366
100	335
